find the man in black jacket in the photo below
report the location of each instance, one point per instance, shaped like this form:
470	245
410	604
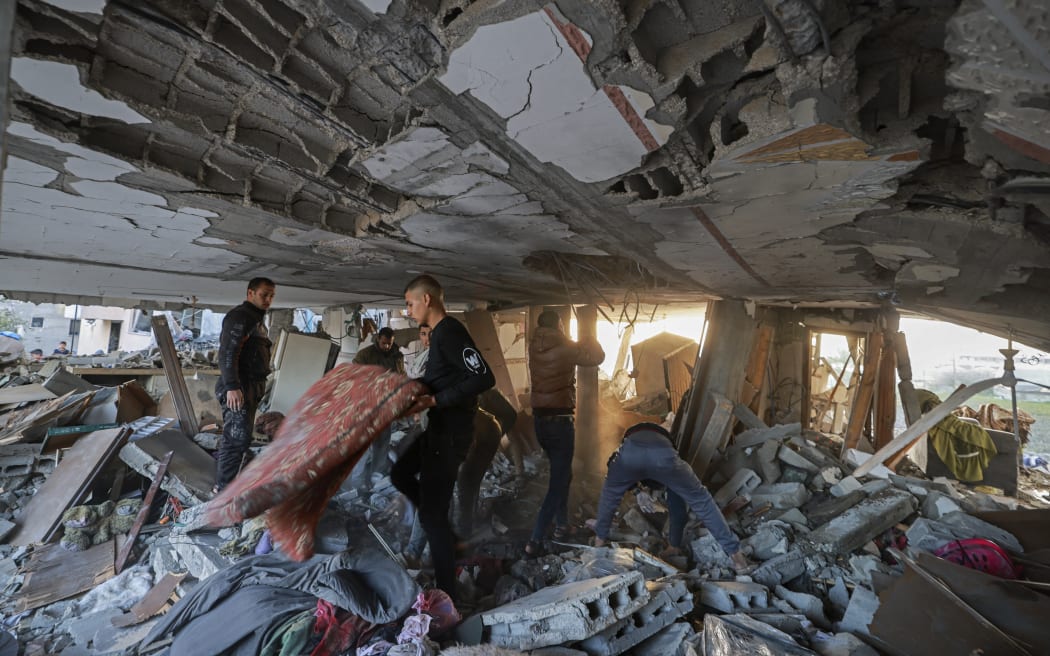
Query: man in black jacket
244	364
456	374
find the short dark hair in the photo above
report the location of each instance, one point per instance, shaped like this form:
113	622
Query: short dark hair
428	284
256	283
548	319
385	331
62	342
36	351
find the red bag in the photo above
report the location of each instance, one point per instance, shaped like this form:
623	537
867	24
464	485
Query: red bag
981	555
316	447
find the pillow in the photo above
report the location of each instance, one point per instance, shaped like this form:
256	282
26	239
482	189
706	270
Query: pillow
316	447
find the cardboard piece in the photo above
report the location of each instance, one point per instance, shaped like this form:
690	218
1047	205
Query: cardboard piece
24	393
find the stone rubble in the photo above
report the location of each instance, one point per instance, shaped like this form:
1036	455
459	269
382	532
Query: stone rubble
817	535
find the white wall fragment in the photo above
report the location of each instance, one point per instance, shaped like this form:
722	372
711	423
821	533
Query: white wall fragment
59	84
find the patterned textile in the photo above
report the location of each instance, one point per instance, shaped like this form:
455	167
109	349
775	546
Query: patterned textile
319	442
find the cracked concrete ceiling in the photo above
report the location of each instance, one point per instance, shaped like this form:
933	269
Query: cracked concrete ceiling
781	151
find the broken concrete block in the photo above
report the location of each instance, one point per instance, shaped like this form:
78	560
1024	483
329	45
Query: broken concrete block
838	596
163	558
845	486
789	474
733	596
842	644
780	495
862	607
861	568
788	456
741	484
856	526
756	436
708	554
732	635
807	604
668	641
772	539
824	511
873	487
781	569
566	613
767	462
828	476
930	535
937	504
199	553
638	522
191	473
912	484
795	517
858	458
669	599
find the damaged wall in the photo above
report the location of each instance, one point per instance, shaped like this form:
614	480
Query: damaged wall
844	154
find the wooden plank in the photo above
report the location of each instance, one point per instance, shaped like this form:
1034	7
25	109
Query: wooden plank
862	403
909	400
714	431
925	423
129	543
720	372
153	603
807	378
482	328
757	362
886	394
588	440
53	574
65	486
24	393
748	417
174	375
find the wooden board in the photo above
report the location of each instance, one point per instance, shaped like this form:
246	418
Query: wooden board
862	403
66	485
23	393
153	603
53	574
139	371
482	328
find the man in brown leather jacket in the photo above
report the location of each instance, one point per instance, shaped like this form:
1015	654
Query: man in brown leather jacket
553	359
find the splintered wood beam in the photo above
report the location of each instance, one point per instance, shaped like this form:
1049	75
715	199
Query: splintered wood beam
755	378
140	519
886	394
862	404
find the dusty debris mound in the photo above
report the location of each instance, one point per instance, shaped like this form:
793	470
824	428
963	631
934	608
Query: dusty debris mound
841	559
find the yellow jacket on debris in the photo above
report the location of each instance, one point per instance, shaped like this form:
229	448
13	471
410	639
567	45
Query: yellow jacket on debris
965	448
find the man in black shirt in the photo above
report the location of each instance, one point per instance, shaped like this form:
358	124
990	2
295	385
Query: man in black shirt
456	374
244	364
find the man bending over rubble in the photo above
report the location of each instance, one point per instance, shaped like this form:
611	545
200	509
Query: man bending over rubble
456	374
244	364
648	454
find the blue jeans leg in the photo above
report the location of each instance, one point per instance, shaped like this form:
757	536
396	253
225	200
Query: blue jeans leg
557	436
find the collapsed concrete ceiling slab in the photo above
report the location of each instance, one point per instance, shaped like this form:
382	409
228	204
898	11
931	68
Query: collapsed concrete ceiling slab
782	151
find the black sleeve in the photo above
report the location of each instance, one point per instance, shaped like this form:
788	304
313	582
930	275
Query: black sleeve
231	341
459	350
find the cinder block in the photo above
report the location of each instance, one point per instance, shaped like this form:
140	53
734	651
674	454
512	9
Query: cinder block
937	504
788	456
781	569
856	526
669	641
780	495
733	596
845	486
567	612
741	484
767	462
670	599
199	553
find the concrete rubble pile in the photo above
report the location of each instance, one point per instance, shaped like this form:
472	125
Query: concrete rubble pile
828	547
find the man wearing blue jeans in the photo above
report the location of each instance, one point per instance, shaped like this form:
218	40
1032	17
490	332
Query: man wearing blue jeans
647	454
553	359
